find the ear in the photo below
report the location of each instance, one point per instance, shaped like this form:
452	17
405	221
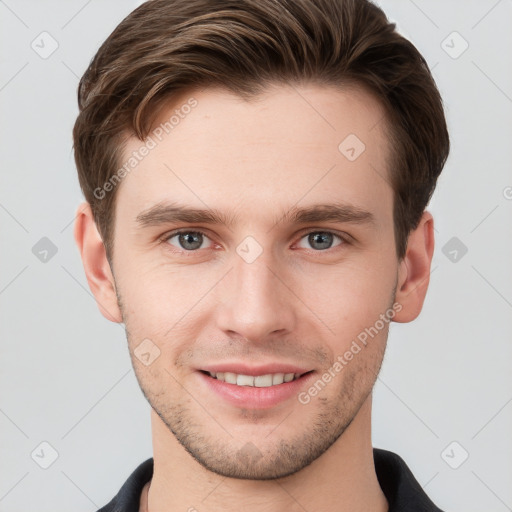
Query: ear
96	265
414	270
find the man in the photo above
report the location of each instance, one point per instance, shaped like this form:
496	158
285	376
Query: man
256	175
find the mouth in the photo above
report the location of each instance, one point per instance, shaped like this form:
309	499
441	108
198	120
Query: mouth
258	381
254	388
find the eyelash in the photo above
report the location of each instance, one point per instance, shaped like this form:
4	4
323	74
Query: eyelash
344	239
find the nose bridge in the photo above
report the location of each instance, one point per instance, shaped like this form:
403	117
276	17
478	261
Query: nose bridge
254	302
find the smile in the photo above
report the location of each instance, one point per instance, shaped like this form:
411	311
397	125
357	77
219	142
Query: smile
265	388
258	381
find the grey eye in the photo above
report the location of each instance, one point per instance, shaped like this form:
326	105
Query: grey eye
187	240
321	240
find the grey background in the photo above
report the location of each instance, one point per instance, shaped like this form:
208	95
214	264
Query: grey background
65	374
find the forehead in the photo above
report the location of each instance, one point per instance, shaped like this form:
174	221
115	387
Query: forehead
289	145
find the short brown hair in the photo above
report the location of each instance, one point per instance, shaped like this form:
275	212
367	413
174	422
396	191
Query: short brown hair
167	46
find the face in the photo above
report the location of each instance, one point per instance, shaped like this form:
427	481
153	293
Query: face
254	244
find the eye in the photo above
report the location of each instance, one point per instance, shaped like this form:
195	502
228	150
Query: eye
321	240
186	240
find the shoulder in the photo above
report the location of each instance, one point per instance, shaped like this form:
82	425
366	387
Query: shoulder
128	497
399	485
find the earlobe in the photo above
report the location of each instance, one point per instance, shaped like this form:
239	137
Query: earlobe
95	262
414	270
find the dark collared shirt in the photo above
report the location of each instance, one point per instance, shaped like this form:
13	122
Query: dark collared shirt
403	492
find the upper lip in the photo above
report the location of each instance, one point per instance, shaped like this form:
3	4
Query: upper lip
245	369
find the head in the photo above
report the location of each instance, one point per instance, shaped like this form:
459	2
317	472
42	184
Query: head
310	134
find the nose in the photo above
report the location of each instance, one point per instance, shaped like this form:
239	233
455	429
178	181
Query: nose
256	300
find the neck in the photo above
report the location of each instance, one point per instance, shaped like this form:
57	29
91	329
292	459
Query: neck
342	479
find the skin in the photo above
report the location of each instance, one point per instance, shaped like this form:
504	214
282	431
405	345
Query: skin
298	302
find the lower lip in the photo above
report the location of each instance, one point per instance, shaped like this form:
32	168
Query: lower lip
249	397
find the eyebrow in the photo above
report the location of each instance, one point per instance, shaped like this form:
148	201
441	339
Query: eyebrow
328	212
167	213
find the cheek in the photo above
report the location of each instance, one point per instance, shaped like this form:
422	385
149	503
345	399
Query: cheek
161	303
353	298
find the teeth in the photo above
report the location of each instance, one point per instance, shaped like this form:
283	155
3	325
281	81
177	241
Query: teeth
260	381
230	378
263	381
277	378
244	380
